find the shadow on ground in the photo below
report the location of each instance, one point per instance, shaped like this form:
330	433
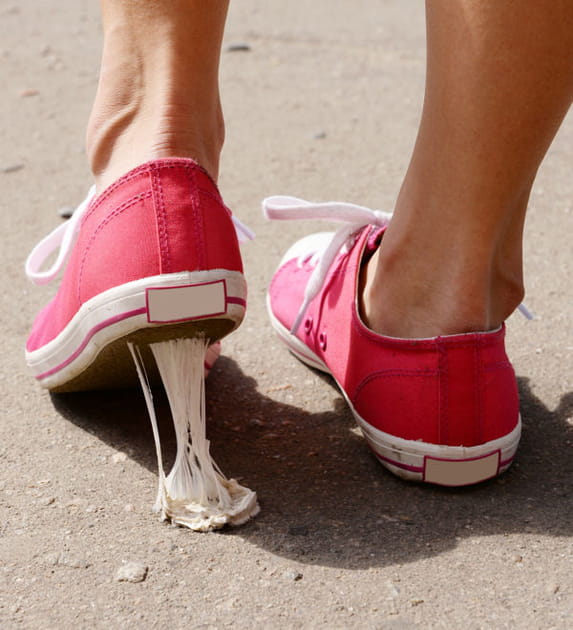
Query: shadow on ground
325	499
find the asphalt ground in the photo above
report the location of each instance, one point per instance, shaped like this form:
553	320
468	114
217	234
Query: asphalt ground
322	100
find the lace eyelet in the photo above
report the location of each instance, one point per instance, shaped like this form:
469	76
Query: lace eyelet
308	325
322	341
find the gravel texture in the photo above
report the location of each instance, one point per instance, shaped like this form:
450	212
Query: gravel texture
322	100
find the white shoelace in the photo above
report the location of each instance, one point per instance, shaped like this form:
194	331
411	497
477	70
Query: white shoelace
65	235
354	217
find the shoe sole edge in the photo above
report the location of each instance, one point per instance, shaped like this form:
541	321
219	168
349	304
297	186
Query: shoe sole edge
415	460
139	312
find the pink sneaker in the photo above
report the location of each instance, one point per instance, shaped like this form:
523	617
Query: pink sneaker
154	257
443	410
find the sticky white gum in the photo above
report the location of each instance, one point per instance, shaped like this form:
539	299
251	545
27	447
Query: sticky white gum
195	494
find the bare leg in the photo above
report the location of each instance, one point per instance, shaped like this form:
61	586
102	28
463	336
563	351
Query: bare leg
499	82
158	94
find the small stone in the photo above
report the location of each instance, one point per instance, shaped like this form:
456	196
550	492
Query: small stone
393	590
128	507
279	388
416	602
66	212
292	575
131	572
517	558
239	47
11	168
29	92
51	559
298	530
118	458
552	588
66	559
321	135
46	501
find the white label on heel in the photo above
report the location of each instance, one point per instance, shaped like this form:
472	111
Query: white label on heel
194	301
461	472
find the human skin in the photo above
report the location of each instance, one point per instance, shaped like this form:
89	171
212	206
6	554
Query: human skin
158	94
499	82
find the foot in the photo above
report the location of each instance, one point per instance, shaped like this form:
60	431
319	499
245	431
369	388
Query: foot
442	409
154	257
158	93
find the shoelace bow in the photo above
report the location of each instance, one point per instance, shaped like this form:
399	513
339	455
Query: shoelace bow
354	218
65	235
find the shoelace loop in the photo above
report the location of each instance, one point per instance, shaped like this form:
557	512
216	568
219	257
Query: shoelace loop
353	217
64	238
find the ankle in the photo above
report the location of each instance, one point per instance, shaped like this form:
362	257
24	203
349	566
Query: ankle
137	118
158	94
121	137
410	299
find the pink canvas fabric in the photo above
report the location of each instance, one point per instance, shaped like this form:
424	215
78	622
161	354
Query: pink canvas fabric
450	391
152	258
163	217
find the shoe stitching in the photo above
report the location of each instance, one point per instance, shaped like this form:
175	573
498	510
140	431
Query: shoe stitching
161	218
182	163
213	197
103	197
422	373
125	206
443	395
197	220
145	169
478	394
138	173
423	345
498	365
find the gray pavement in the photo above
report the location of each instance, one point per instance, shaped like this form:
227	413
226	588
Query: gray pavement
323	105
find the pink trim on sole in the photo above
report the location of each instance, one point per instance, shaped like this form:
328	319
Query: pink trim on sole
236	300
416	469
87	338
421	469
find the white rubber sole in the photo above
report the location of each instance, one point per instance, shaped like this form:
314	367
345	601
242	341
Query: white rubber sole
415	460
154	308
